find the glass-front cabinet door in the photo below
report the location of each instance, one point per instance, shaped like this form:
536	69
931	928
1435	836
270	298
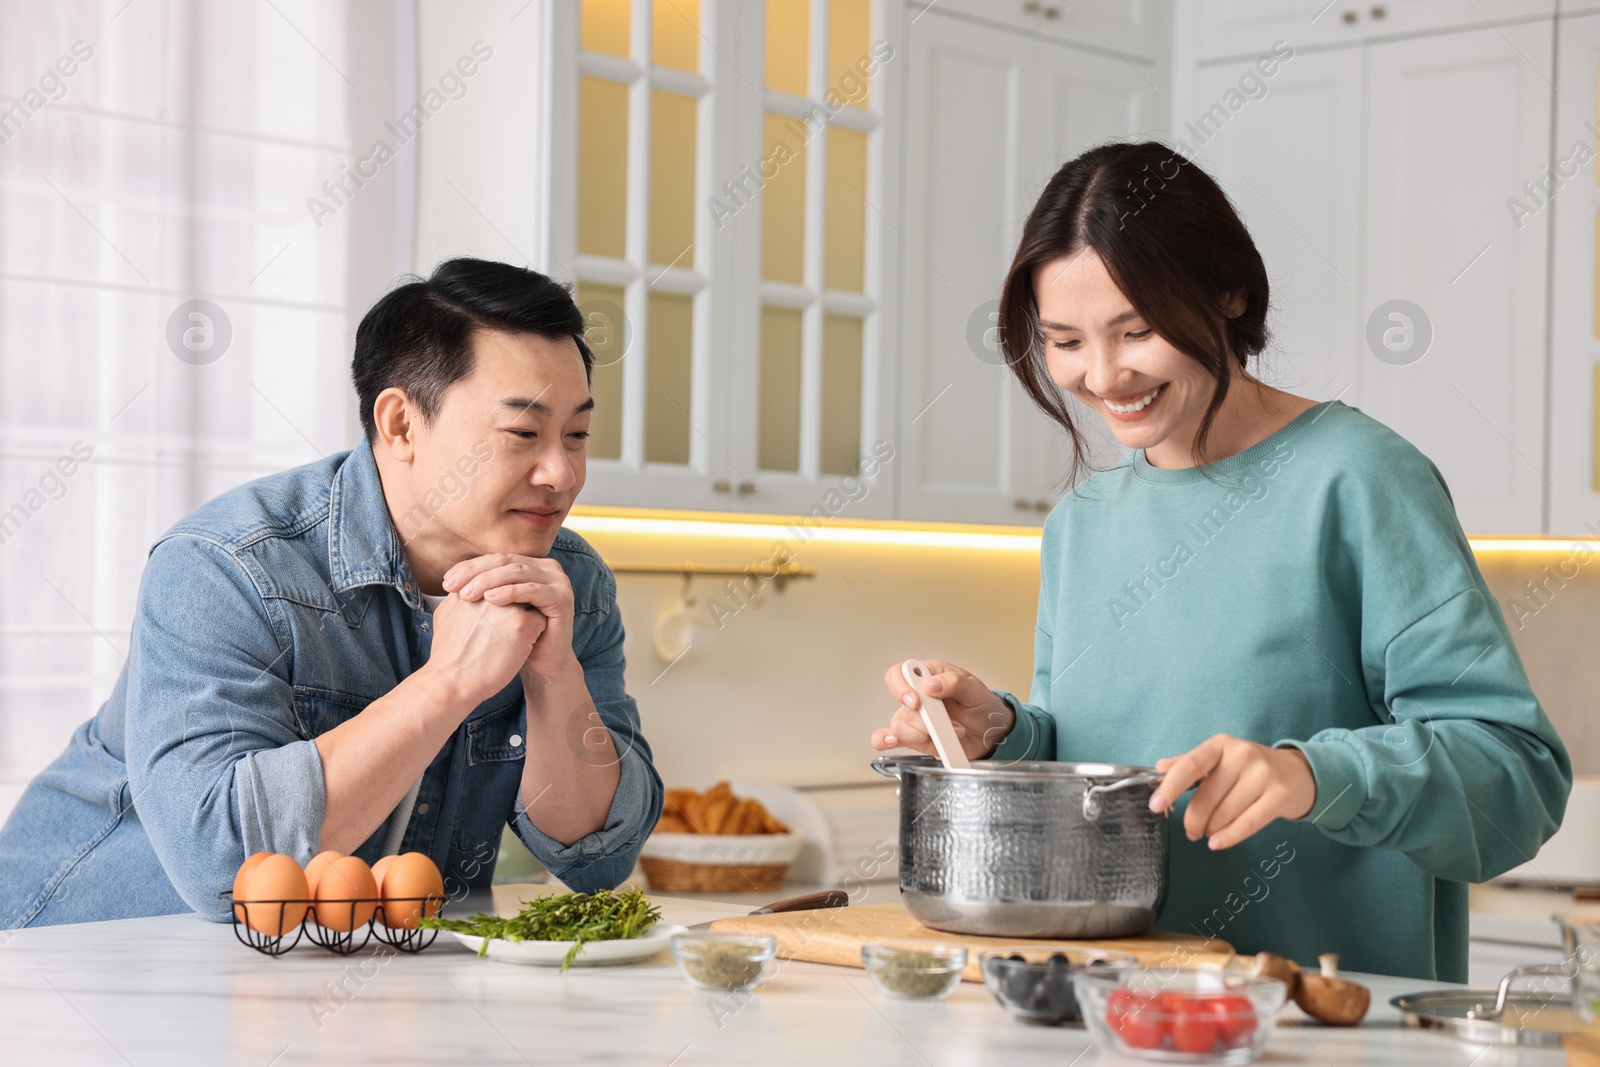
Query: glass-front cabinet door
640	121
814	328
720	185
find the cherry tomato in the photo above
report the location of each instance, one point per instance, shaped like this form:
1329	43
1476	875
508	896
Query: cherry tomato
1137	1018
1235	1017
1194	1025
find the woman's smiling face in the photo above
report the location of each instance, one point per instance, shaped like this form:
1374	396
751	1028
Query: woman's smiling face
1099	348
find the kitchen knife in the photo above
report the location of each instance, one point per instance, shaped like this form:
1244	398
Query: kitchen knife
827	898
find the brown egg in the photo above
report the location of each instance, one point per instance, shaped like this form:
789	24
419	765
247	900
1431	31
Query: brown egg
378	869
243	878
318	864
412	874
276	878
344	879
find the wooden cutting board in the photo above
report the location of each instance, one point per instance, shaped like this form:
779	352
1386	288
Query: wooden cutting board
1583	1047
835	935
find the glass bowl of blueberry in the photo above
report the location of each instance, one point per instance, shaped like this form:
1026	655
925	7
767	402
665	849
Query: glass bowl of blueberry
1036	983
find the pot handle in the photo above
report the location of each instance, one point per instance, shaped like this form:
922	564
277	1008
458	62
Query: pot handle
1091	796
1565	970
888	766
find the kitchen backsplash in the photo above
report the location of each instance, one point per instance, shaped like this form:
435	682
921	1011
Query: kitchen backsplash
789	686
1554	622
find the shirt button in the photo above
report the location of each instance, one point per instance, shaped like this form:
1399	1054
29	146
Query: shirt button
422	809
515	739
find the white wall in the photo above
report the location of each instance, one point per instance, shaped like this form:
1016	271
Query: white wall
477	169
791	687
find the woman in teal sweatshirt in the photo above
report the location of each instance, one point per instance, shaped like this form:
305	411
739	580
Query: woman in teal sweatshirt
1271	600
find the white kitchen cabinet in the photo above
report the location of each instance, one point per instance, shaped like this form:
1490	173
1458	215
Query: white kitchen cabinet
1119	28
1380	172
990	115
1454	124
967	90
1244	28
686	143
1574	217
812	367
638	132
1291	164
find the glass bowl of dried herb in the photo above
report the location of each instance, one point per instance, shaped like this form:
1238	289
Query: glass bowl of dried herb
914	970
724	961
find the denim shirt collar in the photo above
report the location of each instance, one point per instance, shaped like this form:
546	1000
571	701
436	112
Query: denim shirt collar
363	548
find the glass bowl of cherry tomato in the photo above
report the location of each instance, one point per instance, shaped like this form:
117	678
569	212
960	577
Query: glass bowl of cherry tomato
1180	1014
1035	983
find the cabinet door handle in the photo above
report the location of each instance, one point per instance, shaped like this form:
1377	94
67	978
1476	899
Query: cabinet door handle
1052	12
746	488
1349	18
1022	504
1041	505
1378	12
1031	7
721	486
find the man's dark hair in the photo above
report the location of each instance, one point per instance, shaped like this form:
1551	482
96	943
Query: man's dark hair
419	336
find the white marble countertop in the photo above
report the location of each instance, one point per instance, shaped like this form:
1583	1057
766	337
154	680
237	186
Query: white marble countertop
178	990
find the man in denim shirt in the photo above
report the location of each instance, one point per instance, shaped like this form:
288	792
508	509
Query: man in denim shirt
396	648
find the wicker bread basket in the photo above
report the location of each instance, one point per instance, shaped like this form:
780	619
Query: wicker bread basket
717	863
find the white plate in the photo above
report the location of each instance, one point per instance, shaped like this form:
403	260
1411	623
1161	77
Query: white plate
595	953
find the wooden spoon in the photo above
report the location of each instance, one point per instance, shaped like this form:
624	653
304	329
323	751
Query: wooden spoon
936	717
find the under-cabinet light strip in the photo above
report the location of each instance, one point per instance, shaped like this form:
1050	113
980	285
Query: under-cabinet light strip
801	530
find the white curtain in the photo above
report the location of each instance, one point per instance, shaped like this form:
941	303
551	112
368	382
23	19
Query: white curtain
154	153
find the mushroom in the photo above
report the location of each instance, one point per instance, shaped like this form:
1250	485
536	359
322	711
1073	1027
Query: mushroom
1334	1000
1271	965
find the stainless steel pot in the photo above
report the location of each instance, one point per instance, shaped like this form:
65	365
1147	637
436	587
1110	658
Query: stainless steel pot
1064	850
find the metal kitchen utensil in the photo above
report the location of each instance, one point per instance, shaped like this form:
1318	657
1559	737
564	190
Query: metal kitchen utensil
935	716
1043	849
1504	1016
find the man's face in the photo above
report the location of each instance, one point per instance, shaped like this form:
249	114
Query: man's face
504	458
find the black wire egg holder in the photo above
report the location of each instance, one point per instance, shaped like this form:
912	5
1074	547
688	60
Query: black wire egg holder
342	942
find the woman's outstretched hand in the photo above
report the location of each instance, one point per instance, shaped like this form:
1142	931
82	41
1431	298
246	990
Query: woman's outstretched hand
1243	787
981	719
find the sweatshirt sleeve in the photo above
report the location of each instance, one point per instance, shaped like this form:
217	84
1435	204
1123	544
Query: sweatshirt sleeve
1461	771
1033	736
1468	777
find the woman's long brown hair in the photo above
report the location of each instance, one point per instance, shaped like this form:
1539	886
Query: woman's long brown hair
1172	243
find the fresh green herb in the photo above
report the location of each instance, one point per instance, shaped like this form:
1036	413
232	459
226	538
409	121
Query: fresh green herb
604	915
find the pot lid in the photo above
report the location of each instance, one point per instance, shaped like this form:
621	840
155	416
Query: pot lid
1527	1019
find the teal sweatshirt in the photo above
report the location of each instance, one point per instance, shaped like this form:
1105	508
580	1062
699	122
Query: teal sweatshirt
1314	590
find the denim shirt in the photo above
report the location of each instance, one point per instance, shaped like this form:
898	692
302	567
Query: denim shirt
265	618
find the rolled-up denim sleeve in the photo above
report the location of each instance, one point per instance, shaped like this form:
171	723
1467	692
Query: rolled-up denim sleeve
605	858
216	762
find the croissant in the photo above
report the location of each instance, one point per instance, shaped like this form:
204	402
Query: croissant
716	811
